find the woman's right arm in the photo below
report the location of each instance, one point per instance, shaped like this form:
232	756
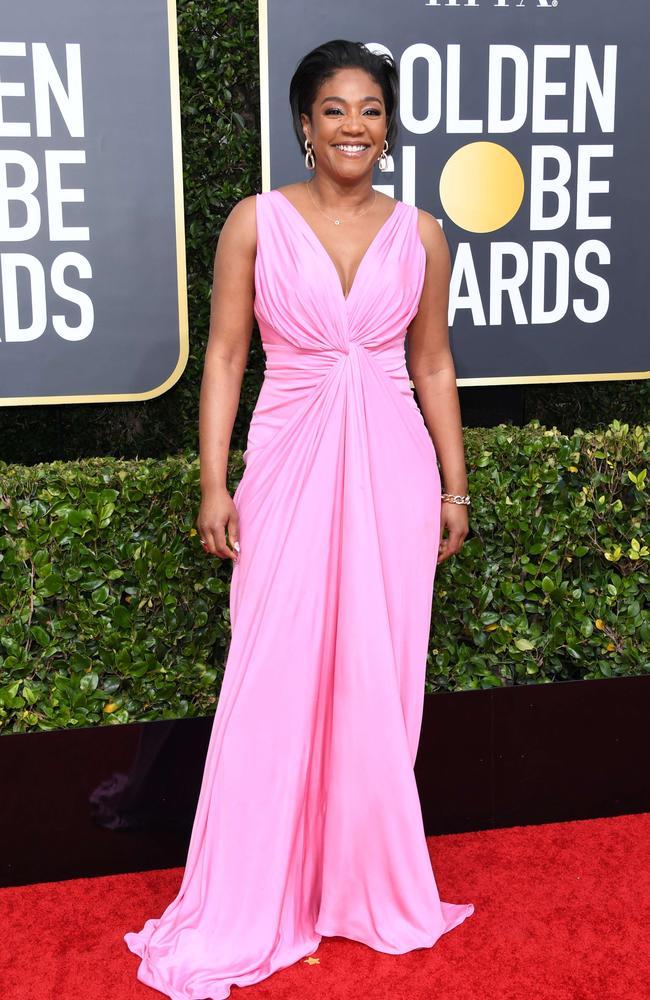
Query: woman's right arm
231	325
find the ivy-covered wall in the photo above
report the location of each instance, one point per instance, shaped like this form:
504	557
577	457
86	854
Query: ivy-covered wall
111	612
218	52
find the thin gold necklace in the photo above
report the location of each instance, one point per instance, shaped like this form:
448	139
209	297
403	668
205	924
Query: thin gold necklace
337	221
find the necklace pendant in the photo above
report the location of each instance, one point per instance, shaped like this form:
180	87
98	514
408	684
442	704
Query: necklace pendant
337	222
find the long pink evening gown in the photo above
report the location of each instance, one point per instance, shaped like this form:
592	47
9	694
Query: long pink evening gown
308	821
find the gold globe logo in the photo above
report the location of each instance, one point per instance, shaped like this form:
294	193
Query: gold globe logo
481	187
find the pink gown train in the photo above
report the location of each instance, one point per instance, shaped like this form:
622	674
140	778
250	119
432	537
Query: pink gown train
308	821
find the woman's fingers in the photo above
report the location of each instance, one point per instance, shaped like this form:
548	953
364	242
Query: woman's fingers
451	543
218	515
233	535
222	549
214	540
208	541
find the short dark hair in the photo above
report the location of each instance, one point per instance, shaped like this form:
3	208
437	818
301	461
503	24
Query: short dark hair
325	60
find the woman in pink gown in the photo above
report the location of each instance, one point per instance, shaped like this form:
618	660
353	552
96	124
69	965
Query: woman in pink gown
308	821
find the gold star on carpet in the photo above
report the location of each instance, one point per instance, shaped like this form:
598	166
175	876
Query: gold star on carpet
312	961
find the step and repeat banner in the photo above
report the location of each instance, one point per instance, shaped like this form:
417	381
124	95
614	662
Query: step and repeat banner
92	264
523	127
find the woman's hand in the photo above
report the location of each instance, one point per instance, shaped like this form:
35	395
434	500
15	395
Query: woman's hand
218	514
453	517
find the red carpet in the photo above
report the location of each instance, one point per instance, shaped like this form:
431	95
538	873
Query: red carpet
562	913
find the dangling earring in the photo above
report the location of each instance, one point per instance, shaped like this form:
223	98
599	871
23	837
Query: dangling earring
310	162
383	160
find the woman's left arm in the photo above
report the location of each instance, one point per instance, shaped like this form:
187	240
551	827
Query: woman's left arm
431	367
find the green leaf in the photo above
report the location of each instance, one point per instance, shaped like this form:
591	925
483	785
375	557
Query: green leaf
52	584
40	635
524	644
121	617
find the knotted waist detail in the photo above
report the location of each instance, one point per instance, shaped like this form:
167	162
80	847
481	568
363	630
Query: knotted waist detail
284	360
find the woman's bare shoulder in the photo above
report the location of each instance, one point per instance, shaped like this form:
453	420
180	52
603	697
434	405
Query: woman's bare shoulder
240	226
432	236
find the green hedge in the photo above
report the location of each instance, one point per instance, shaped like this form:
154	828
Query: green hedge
110	612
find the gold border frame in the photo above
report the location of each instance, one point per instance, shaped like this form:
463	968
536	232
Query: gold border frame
183	319
265	111
266	184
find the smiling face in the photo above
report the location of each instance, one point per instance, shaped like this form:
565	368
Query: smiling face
348	124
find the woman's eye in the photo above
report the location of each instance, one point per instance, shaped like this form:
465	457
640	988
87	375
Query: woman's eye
372	111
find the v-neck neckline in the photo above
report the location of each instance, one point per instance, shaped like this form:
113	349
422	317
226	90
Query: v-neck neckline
309	229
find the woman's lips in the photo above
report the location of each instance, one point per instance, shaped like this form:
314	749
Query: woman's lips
352	154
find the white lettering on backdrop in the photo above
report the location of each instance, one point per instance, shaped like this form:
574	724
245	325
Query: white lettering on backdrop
550	90
34	191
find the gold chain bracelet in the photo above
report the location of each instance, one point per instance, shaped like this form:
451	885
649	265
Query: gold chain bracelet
455	498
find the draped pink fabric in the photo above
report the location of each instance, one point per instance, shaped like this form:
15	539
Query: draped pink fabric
308	821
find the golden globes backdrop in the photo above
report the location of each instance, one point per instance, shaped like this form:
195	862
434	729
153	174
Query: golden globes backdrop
92	267
524	130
